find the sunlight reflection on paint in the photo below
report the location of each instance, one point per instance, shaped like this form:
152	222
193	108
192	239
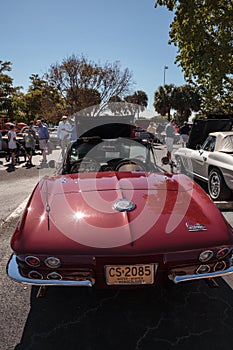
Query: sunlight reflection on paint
79	215
42	217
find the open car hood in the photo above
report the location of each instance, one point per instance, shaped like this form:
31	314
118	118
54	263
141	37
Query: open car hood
202	127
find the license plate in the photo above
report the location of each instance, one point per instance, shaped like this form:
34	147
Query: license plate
130	274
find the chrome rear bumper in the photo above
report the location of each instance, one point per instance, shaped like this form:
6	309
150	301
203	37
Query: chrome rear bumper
177	279
14	273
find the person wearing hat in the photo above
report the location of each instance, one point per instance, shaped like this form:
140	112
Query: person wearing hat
64	132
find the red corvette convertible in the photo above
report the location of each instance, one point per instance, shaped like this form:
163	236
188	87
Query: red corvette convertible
111	217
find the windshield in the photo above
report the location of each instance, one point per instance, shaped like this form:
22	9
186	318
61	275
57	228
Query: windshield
96	154
104	150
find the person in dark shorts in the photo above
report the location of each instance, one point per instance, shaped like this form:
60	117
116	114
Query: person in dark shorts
12	146
29	146
184	131
43	135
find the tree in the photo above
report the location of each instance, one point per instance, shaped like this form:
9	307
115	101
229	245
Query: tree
137	102
84	83
43	101
163	100
202	31
185	99
139	97
8	93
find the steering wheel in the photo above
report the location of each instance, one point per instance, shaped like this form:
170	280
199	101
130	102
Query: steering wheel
130	165
85	165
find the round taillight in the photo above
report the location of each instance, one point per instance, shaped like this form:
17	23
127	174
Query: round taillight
32	261
203	269
54	276
35	275
206	255
222	253
52	262
219	266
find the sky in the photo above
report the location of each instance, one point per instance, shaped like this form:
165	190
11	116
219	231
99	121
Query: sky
37	34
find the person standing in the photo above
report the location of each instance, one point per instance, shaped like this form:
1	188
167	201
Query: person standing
64	133
12	146
151	129
170	136
29	146
184	131
43	136
74	134
160	129
32	128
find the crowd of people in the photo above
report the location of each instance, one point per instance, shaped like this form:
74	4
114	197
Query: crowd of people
67	132
171	133
38	132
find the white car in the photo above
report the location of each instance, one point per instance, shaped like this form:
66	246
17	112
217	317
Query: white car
211	162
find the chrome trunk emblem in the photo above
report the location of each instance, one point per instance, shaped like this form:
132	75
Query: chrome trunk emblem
124	204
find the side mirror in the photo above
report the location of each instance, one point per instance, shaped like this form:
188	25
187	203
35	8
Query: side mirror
52	163
198	147
165	160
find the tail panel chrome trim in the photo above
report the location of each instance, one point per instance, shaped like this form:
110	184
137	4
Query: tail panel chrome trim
14	273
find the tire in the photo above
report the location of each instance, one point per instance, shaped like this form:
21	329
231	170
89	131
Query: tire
217	187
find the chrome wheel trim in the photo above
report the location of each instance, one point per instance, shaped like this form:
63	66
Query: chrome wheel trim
215	185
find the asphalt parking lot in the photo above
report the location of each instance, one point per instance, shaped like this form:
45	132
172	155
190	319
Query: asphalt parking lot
176	317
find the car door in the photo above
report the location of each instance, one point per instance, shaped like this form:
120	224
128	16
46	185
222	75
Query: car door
200	158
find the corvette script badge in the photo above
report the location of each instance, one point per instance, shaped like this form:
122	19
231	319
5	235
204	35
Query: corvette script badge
196	227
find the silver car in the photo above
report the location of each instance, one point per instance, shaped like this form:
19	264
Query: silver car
211	162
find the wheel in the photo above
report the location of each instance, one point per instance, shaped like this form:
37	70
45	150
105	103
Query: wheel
85	165
130	165
217	187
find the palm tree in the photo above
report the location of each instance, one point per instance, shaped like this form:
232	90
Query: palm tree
185	100
163	100
139	99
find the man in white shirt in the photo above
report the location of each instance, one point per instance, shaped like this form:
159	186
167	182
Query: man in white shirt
64	133
12	146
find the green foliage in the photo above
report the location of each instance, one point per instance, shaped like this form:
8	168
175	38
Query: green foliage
163	100
9	95
183	99
66	88
202	31
43	101
138	97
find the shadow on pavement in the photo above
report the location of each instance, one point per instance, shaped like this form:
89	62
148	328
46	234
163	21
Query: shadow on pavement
188	316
